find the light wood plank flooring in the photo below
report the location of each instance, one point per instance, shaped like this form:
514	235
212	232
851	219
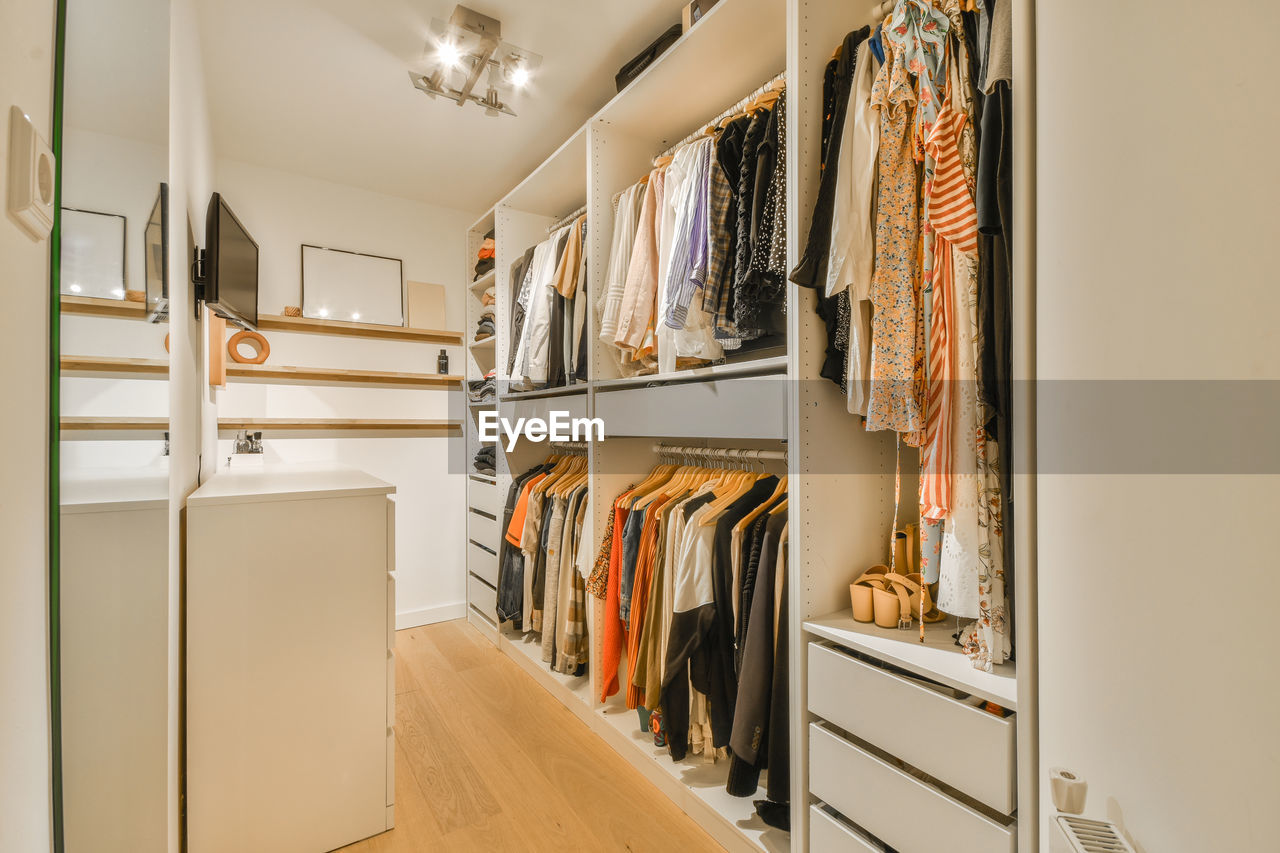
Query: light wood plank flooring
487	760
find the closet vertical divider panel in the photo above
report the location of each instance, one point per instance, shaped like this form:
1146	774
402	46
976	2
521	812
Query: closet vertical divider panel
841	477
481	567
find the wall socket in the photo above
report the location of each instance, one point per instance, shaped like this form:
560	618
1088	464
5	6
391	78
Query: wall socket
32	172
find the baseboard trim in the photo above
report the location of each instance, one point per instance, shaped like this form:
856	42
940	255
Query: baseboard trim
430	615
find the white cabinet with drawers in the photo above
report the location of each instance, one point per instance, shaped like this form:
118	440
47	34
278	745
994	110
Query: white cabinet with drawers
289	660
909	748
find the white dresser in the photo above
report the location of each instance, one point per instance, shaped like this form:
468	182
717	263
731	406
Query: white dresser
290	613
115	664
904	748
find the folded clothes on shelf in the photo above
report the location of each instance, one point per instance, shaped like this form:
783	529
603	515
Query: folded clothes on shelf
484	258
480	390
486	459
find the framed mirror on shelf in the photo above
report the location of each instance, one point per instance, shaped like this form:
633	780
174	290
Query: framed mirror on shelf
352	287
155	256
93	253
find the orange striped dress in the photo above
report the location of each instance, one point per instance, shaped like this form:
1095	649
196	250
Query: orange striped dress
953	216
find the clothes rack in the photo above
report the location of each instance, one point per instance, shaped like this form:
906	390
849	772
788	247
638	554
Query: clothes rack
721	453
781	77
575	448
565	220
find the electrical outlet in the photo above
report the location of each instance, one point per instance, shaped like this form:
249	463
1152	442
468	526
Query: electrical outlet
31	177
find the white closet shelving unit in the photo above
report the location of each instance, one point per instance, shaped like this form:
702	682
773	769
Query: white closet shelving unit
868	685
484	501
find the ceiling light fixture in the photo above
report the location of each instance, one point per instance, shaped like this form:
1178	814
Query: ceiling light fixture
461	50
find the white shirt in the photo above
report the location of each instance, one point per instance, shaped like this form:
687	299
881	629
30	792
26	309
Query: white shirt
853	243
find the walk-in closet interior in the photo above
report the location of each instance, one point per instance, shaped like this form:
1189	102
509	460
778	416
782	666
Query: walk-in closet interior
769	426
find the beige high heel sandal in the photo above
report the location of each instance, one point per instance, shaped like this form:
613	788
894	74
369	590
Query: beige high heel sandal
900	603
906	546
862	590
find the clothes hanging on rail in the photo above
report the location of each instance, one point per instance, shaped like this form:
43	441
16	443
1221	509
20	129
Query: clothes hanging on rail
908	250
548	325
694	580
697	256
541	587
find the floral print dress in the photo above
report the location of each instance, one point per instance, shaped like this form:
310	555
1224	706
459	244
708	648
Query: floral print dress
896	399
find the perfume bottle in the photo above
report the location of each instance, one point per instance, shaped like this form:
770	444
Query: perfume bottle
443	362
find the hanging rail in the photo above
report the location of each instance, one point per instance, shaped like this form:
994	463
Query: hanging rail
566	220
742	454
572	447
736	108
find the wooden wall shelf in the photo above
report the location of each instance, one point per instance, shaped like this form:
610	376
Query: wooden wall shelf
115	368
114	424
95	307
388	425
280	323
338	376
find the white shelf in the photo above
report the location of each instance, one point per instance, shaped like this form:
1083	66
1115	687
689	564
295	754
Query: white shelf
774	365
558	186
483	343
484	282
938	657
483	478
705	783
561	391
736	47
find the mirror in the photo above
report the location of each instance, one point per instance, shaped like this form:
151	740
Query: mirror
114	399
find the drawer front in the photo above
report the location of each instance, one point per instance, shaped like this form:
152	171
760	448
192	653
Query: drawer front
483	496
573	405
481	562
828	835
483	530
391	533
742	408
965	747
391	689
906	813
391	611
391	768
483	597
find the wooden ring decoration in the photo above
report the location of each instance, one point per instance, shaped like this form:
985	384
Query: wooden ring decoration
253	339
166	341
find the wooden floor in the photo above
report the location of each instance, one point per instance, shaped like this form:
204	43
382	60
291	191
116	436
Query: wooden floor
487	760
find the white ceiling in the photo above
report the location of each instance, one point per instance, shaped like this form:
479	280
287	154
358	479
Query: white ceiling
320	87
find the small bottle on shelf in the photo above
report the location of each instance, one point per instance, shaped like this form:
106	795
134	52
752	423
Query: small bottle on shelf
443	362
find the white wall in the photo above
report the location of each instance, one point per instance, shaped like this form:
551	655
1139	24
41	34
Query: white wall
282	211
1155	237
111	174
26	77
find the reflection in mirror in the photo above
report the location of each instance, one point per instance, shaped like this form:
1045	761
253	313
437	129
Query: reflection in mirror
114	399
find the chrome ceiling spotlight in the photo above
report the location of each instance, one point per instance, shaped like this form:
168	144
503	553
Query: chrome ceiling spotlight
459	51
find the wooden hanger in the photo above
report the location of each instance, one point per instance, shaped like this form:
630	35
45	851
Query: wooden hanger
661	471
737	484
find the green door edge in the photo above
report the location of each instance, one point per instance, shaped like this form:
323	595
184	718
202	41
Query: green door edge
55	438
